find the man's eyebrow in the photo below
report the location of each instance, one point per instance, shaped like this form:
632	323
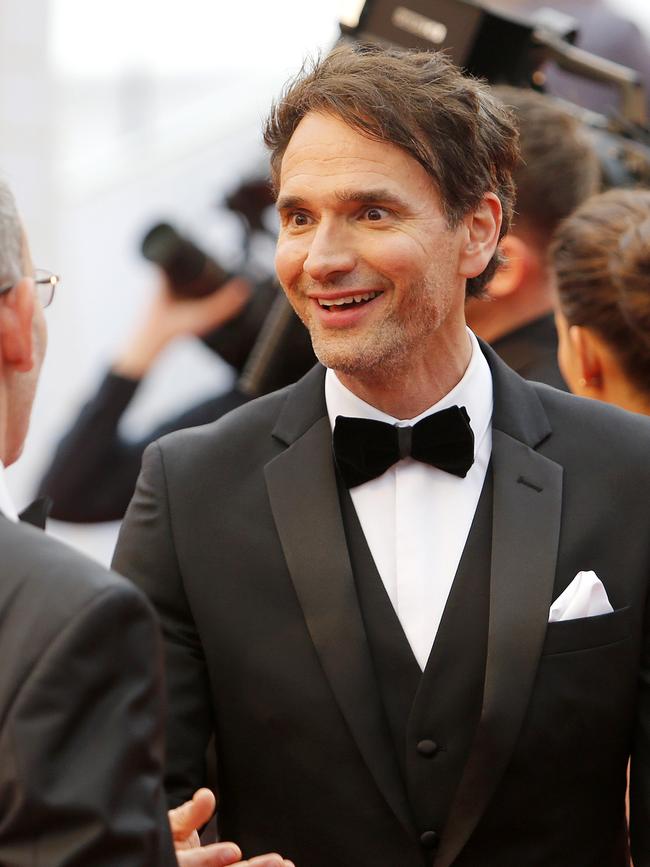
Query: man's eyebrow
370	197
361	197
288	203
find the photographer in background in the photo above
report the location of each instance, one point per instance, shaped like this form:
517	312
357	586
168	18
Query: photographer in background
558	170
94	468
93	473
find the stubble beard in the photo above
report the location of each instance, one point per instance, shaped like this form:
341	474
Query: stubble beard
384	350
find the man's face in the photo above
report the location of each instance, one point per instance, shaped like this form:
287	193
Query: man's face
21	388
39	325
365	254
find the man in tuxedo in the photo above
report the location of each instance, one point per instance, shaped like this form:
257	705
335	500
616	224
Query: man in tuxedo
557	171
81	693
356	574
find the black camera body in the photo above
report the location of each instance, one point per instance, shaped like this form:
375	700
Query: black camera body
487	44
190	272
507	48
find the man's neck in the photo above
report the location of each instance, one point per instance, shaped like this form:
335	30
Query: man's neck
404	393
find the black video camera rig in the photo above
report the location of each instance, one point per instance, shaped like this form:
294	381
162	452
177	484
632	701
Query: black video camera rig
509	48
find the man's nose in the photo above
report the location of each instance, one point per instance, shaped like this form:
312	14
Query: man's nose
330	253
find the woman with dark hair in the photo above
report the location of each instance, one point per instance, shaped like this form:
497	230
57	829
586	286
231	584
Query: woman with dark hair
601	258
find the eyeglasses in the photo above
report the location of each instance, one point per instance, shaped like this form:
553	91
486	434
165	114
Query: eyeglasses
45	283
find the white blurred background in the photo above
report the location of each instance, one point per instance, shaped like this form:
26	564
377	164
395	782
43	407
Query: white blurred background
115	114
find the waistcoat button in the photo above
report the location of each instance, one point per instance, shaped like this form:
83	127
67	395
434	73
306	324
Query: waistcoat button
427	748
429	839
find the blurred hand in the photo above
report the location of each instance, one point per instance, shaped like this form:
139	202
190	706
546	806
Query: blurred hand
185	822
169	317
174	316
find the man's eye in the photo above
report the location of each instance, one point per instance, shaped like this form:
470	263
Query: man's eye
299	219
375	214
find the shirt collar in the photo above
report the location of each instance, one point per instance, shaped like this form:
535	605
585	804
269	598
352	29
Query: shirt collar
6	503
473	391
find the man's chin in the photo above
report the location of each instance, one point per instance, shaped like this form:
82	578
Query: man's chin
342	359
357	355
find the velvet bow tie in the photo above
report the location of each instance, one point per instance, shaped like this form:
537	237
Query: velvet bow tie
364	448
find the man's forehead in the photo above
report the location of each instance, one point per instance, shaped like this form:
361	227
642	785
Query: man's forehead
328	156
329	136
322	123
325	145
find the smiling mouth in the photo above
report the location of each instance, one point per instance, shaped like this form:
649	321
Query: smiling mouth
335	304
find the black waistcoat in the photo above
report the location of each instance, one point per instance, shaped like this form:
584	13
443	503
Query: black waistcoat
432	715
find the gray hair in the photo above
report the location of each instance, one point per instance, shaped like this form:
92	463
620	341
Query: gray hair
11	237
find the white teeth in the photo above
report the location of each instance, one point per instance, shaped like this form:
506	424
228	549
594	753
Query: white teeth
349	299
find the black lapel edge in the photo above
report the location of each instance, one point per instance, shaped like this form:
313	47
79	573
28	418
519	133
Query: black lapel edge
303	407
525	539
302	490
518	408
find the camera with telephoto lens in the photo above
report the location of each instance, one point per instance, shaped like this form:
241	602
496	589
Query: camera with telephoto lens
509	48
191	273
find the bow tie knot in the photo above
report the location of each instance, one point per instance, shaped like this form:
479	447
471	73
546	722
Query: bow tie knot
404	441
364	449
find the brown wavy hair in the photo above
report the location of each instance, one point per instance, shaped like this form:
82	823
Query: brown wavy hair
419	101
601	258
559	168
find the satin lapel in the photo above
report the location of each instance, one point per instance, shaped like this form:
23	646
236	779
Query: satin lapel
304	500
525	535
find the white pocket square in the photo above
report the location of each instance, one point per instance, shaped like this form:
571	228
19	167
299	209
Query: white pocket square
584	597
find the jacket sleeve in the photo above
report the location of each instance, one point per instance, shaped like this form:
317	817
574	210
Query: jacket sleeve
146	554
94	470
81	749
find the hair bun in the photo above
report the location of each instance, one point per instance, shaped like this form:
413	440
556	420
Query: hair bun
634	250
630	269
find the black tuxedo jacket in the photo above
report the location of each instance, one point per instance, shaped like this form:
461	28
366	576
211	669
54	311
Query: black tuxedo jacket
237	534
81	731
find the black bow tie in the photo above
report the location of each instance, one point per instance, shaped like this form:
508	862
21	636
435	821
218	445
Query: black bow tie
364	449
36	513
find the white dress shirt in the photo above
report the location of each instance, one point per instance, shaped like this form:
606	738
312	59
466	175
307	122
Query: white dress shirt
416	518
6	503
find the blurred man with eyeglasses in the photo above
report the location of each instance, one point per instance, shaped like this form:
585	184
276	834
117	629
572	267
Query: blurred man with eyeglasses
81	704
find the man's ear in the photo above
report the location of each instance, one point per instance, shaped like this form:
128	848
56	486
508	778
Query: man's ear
16	317
512	274
481	236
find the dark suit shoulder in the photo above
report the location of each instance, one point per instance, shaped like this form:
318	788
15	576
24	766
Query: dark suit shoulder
55	573
249	420
595	414
246	438
596	431
44	586
228	446
81	710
